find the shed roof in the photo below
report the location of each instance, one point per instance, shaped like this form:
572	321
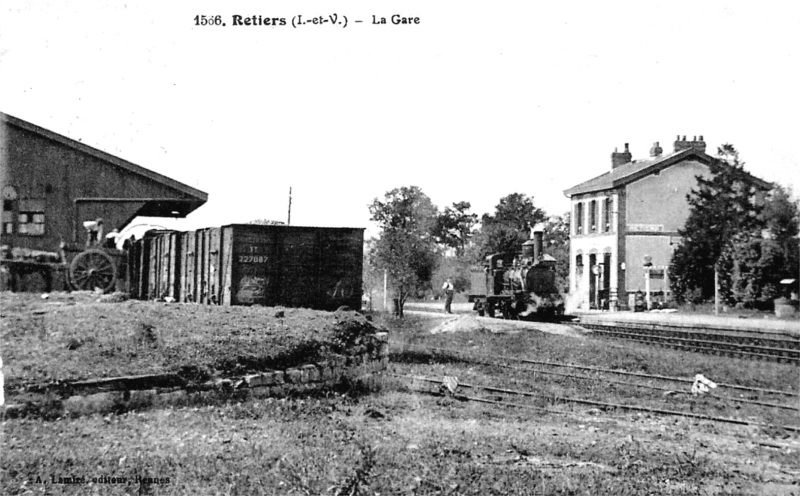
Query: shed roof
187	201
632	171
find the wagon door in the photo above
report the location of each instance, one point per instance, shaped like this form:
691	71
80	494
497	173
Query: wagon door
299	268
340	268
211	265
155	268
226	265
194	262
186	264
255	265
175	261
165	265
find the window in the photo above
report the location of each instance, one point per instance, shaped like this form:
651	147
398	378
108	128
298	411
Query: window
31	217
8	217
9	207
593	215
607	214
579	218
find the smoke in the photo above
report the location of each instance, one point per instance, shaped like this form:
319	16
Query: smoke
572	302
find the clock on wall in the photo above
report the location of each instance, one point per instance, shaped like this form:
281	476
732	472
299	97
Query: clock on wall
9	193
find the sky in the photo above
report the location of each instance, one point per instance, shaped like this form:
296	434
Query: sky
477	101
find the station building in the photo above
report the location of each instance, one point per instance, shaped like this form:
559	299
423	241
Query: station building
56	190
625	224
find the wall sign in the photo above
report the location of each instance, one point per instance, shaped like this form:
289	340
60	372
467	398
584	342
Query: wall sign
646	228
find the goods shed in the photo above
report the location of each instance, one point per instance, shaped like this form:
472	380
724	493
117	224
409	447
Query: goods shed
61	197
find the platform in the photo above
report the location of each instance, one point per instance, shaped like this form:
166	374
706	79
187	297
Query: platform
764	323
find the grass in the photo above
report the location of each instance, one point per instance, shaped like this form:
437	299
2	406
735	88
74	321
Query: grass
599	352
73	336
392	443
603	353
403	442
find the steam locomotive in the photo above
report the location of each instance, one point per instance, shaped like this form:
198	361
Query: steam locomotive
520	285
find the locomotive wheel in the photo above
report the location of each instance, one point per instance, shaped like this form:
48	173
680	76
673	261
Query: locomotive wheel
505	309
93	269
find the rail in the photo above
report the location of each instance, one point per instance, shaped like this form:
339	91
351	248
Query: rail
492	360
566	399
498	360
741	344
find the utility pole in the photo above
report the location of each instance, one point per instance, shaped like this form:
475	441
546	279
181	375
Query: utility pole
289	217
385	289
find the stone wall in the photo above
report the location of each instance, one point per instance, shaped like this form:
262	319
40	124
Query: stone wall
361	368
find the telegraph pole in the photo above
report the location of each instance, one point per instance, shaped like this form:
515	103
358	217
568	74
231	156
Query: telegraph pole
289	217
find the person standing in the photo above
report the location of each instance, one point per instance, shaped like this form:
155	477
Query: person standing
449	290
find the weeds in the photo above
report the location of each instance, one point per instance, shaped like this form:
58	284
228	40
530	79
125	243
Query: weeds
395	442
333	446
90	340
353	485
145	335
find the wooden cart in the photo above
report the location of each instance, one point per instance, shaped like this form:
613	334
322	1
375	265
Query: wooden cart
95	269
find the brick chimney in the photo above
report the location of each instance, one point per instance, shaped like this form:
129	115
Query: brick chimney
618	158
656	150
684	144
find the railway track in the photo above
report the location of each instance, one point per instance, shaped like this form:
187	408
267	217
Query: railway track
430	381
532	391
752	345
525	363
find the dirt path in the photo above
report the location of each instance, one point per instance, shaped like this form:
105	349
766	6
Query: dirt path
468	323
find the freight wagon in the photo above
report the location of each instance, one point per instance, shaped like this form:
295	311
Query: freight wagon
244	264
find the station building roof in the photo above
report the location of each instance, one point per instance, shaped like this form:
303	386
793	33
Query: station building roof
637	169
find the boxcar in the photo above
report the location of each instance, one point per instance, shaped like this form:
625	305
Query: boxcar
243	264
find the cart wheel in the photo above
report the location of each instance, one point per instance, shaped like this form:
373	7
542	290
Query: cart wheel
93	269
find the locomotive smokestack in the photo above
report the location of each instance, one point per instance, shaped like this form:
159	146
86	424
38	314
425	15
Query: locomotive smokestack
538	241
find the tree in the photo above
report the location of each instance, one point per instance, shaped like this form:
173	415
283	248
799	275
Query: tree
509	227
372	277
755	263
406	208
455	268
454	226
406	248
752	269
556	244
724	208
782	220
